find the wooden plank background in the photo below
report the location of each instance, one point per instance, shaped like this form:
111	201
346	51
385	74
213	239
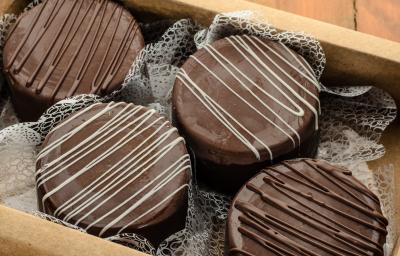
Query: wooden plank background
377	17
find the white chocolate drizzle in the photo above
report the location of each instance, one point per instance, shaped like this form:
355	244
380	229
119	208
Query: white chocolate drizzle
251	49
120	175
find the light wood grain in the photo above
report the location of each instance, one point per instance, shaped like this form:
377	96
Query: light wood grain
23	234
338	12
380	18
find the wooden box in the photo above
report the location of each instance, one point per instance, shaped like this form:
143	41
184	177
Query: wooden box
353	58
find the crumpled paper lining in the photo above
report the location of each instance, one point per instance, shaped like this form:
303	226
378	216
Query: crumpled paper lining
352	122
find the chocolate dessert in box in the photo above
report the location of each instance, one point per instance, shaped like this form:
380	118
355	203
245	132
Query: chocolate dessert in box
74	189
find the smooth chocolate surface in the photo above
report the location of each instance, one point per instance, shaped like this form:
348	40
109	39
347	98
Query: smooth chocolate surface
244	101
115	168
62	48
305	207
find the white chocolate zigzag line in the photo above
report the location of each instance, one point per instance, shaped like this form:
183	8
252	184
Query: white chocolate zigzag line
148	149
87	167
154	207
72	117
211	50
185	165
157	155
182	76
148	195
242	43
69	162
75	130
248	103
285	72
300	60
73	200
310	76
106	127
180	165
220	116
250	39
69	134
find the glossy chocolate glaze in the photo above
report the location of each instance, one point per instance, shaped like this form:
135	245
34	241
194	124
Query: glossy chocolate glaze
262	89
115	168
62	48
305	207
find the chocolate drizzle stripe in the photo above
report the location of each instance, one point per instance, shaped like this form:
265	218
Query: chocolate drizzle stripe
86	61
63	48
328	219
321	204
264	242
42	61
333	195
47	22
331	209
248	210
105	80
94	86
237	250
25	38
356	185
123	173
275	235
379	217
304	217
223	116
121	59
338	234
327	175
79	48
12	28
314	185
43	30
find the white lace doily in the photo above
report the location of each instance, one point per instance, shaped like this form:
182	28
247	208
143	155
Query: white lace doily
352	121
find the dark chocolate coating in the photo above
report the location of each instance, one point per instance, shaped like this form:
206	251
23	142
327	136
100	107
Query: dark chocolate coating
62	48
215	146
98	168
305	207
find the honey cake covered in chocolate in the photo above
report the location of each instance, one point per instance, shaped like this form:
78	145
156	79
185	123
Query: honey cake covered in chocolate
243	102
115	168
305	207
62	48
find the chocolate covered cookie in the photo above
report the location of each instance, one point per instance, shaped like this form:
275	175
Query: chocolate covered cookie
62	48
115	168
305	207
244	102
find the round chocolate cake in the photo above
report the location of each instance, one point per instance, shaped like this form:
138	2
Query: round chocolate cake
305	207
62	48
115	168
243	102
